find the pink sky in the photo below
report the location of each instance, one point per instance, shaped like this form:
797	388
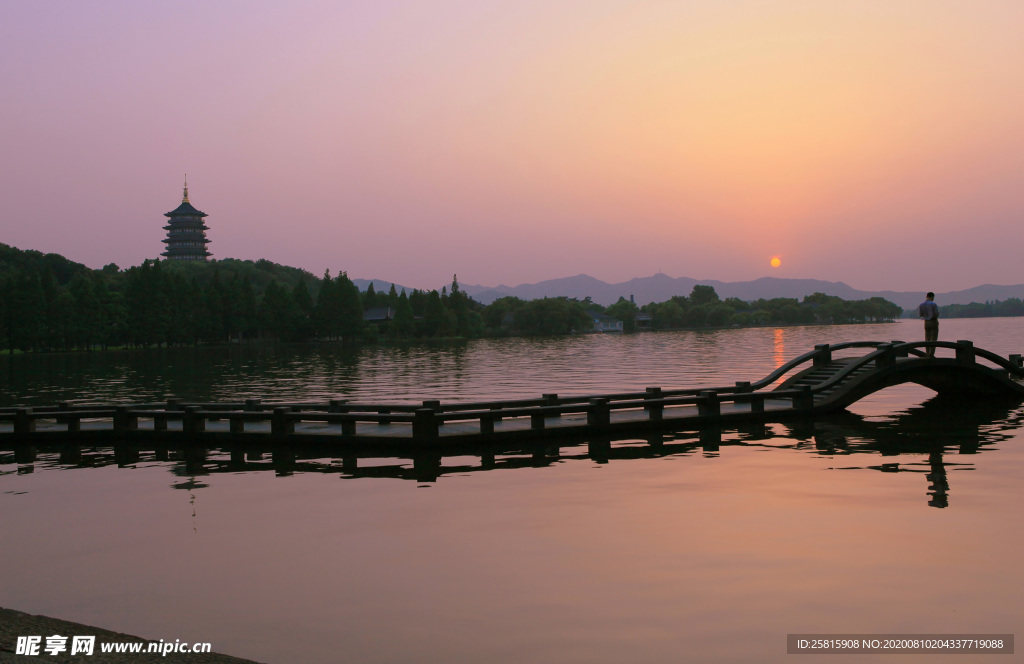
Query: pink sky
876	143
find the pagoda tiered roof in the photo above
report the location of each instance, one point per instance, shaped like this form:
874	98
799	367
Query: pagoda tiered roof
185	209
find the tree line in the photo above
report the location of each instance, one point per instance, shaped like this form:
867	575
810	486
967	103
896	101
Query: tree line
703	308
991	309
48	303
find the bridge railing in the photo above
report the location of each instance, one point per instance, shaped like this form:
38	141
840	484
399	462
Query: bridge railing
967	352
426	418
886	353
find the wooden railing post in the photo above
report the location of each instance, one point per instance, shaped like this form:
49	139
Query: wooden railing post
887	356
551	400
708	404
822	355
125	419
742	386
1017	360
655	411
73	422
252	405
900	352
23	421
804	400
537	420
348	427
280	424
424	424
965	351
599	414
486	424
237	424
191	421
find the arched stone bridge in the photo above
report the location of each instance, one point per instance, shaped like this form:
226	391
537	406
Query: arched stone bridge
835	383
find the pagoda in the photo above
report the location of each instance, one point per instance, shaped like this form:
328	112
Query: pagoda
186	232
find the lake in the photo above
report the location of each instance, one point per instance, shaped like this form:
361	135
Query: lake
901	516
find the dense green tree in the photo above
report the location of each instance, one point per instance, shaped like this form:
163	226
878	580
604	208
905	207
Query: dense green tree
719	314
328	308
25	311
304	311
248	308
350	308
146	297
697	316
552	315
277	312
437	321
84	323
468	322
418	302
53	316
112	318
404	324
626	311
500	314
668	315
702	294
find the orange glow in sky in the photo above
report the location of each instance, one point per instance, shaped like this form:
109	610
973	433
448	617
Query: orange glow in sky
513	142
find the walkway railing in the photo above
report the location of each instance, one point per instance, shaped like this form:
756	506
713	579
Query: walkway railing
433	420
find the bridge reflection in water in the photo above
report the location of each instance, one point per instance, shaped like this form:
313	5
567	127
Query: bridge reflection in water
938	436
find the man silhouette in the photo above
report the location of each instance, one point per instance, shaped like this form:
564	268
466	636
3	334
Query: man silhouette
929	312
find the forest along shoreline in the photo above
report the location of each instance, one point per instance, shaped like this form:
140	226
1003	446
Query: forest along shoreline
52	304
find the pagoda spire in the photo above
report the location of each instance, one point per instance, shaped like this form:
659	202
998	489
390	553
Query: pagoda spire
184	197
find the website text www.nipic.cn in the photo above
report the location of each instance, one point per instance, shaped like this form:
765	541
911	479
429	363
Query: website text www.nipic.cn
86	645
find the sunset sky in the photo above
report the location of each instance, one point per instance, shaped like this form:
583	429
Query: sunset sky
876	143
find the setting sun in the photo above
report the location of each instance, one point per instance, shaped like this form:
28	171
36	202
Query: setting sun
776	261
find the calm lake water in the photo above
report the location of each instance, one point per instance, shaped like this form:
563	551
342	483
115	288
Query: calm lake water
901	517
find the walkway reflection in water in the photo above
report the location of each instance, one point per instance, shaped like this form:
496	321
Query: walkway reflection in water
932	439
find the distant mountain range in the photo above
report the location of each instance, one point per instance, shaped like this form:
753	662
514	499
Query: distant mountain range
661	287
656	288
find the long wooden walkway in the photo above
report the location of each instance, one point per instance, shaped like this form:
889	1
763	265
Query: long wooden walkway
816	382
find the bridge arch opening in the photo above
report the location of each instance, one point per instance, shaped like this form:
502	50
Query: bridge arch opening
891	399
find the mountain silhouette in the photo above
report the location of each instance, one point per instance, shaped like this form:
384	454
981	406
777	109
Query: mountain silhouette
660	287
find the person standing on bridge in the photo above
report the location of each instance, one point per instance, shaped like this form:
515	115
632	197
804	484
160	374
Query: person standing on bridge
929	311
